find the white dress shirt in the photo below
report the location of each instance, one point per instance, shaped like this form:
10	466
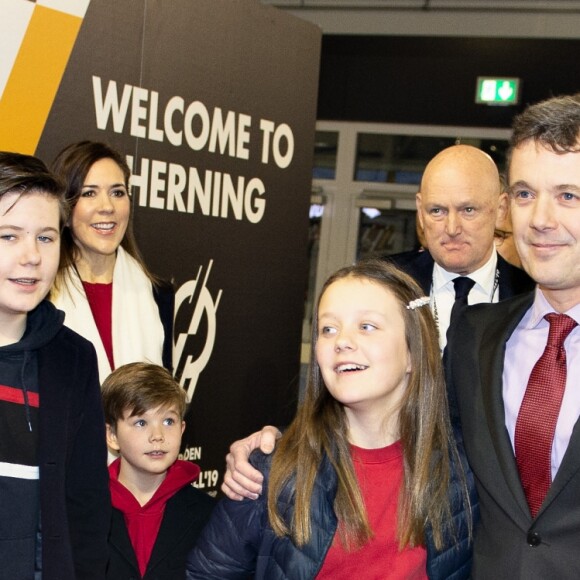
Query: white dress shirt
523	349
443	292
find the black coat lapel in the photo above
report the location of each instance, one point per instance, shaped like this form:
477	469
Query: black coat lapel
502	323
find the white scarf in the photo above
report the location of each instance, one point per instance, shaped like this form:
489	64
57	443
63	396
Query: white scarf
136	326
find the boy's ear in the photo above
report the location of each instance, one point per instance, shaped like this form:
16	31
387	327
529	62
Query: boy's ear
182	427
111	438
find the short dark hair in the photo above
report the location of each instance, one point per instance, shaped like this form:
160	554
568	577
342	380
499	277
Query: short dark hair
24	174
138	387
553	123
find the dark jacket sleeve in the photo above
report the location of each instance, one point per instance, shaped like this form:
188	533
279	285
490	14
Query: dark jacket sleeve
87	482
228	546
74	483
453	562
164	295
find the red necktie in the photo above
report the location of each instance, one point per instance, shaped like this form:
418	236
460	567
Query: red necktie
539	412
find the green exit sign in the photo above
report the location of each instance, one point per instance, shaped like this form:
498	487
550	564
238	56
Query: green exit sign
494	91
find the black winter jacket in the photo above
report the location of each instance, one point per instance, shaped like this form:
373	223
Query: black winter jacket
75	504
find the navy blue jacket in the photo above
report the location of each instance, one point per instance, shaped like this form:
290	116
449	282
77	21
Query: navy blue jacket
238	542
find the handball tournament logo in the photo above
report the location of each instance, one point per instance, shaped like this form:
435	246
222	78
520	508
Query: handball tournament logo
195	312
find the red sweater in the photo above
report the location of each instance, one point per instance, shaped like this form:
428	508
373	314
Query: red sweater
100	298
380	475
143	522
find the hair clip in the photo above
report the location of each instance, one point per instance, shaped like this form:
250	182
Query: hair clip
418	302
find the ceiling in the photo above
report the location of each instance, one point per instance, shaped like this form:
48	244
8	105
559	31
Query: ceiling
483	18
527	5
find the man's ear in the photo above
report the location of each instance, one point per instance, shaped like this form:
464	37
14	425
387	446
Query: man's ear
419	204
502	211
111	438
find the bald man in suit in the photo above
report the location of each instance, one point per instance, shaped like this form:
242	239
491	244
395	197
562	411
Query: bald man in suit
458	206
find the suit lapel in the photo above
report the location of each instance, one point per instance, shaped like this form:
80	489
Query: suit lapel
119	538
568	468
177	520
503	321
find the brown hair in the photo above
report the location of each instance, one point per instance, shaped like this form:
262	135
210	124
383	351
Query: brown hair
72	165
139	387
24	174
553	123
320	429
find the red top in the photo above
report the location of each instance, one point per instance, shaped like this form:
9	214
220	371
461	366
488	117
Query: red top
143	522
100	297
380	475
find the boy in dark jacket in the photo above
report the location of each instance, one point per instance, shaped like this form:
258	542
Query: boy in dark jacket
54	500
157	513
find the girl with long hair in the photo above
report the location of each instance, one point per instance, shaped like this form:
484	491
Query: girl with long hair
368	478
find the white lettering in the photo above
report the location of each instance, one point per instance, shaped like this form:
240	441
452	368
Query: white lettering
283	131
155	134
225	133
172	187
267	127
244	123
176	182
158	168
140	180
174	104
196	109
256	213
138	112
110	105
191	454
202	193
221	132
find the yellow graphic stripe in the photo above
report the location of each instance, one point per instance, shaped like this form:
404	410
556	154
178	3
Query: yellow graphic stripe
35	78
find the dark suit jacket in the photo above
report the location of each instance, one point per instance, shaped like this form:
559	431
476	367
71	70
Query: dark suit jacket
186	513
508	543
419	265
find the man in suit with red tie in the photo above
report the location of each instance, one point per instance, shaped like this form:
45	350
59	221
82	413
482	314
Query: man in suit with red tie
514	366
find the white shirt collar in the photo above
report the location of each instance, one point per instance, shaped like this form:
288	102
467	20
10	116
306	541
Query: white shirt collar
484	277
541	307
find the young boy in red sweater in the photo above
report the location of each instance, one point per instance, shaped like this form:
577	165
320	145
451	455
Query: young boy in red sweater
157	513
